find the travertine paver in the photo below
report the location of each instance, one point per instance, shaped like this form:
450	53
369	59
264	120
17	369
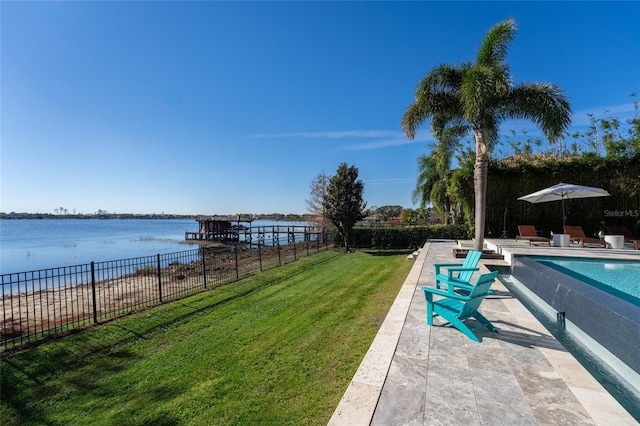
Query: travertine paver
437	376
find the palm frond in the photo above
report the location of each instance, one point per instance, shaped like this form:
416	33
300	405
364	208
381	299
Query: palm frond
443	77
415	115
483	90
493	49
431	104
447	111
428	175
544	104
448	143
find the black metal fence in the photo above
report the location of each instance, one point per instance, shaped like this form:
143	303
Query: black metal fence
46	302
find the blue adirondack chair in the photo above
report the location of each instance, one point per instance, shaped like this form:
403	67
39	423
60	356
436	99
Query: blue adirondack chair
456	308
458	273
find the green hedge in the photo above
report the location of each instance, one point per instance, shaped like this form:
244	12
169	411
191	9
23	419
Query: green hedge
520	176
411	237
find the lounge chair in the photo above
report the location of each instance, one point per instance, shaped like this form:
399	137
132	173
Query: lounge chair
458	272
624	231
529	233
456	308
577	234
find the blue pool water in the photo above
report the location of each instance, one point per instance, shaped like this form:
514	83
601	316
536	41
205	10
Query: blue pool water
620	278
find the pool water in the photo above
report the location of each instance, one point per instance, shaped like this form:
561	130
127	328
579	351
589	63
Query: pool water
620	278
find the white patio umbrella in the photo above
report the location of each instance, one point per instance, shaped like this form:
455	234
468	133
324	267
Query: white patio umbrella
562	191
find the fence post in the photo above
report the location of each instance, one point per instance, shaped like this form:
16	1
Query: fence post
204	266
159	279
260	254
93	292
307	237
235	248
295	254
279	258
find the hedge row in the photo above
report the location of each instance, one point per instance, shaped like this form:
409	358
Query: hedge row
512	178
412	237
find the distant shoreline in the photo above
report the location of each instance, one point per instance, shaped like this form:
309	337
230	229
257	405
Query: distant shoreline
271	216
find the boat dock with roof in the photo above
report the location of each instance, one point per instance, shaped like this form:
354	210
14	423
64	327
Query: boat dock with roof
239	229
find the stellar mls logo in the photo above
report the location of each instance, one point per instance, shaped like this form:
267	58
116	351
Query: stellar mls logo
622	213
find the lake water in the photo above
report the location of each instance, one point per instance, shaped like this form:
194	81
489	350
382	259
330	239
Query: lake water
32	244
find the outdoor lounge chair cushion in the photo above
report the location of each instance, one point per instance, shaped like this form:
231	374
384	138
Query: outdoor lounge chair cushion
457	309
577	234
529	233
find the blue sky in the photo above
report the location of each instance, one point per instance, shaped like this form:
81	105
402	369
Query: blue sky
229	107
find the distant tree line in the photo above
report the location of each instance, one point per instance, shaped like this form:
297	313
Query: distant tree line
103	214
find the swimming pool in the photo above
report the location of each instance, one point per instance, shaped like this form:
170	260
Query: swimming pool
605	370
611	321
601	317
620	278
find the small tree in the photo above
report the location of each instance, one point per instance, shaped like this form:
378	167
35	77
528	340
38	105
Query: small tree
315	203
387	212
343	203
409	216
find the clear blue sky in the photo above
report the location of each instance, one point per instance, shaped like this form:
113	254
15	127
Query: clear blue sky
229	107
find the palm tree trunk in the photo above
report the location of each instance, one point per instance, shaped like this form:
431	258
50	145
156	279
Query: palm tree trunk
480	189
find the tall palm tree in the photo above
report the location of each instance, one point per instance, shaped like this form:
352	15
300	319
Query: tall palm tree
477	97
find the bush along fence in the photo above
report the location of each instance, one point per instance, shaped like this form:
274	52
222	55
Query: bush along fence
402	238
47	302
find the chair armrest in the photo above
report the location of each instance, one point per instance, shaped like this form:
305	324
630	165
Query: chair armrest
450	294
462	285
446	265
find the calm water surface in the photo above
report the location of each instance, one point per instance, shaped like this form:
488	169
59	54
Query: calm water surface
31	244
616	277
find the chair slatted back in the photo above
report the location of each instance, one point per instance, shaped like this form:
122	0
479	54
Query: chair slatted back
477	295
574	231
471	261
527	231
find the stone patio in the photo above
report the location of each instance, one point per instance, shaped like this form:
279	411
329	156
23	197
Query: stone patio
414	374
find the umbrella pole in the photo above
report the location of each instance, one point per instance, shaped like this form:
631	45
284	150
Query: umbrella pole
564	217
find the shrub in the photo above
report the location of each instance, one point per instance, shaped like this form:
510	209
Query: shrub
413	237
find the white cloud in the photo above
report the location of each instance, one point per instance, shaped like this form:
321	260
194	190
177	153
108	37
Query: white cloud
378	144
390	181
333	135
387	138
621	112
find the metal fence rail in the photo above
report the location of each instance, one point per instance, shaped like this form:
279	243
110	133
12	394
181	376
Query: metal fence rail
47	302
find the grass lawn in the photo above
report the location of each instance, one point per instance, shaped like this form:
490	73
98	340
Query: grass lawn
279	348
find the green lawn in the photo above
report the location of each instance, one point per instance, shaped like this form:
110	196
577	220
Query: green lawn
275	349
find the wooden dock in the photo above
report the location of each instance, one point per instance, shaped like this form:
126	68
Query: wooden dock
260	235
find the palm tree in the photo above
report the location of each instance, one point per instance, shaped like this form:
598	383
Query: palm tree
434	174
477	97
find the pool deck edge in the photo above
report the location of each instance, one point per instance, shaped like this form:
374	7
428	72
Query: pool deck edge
359	402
